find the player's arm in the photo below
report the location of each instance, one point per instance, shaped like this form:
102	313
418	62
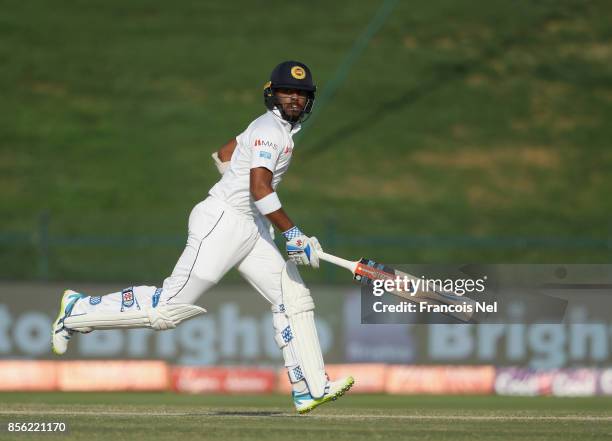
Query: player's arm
223	156
227	150
301	249
261	187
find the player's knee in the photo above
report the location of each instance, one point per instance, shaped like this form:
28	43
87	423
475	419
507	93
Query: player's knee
189	291
203	276
274	296
296	297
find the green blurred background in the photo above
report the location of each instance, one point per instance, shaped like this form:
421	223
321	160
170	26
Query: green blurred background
444	131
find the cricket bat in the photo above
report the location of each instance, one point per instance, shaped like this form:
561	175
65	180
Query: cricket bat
366	270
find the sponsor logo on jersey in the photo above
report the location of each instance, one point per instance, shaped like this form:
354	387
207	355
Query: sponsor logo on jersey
127	297
298	72
263	154
95	300
264	143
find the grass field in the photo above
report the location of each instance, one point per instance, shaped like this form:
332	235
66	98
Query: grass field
151	417
479	119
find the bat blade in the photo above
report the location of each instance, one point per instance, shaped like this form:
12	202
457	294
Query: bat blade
368	270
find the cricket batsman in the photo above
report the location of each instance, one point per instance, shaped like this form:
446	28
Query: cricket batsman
231	228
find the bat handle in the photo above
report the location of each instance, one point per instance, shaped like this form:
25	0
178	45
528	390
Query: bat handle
351	266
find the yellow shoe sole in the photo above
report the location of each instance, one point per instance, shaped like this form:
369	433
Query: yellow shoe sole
317	403
60	314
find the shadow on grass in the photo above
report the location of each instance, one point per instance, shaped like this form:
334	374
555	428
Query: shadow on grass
441	74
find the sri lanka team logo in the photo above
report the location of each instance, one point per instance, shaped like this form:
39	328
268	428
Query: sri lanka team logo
298	72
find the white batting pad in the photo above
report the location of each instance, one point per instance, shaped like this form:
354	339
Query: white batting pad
304	340
160	318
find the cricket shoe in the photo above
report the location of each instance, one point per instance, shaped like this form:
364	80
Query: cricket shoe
304	403
59	334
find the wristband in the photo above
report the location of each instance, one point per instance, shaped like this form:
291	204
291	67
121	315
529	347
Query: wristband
292	233
268	203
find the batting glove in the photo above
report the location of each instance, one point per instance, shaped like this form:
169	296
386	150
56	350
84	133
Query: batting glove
301	249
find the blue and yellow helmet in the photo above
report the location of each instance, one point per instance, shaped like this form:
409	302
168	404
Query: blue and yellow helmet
290	75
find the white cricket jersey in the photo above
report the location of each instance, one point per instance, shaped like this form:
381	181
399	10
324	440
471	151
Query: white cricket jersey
267	142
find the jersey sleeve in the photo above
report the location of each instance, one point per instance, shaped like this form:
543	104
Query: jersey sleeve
266	148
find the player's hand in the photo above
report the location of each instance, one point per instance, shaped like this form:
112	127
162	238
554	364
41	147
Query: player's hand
301	249
221	166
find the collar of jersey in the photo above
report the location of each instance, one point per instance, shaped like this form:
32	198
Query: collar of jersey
287	125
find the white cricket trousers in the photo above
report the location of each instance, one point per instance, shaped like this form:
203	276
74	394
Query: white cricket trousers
219	238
